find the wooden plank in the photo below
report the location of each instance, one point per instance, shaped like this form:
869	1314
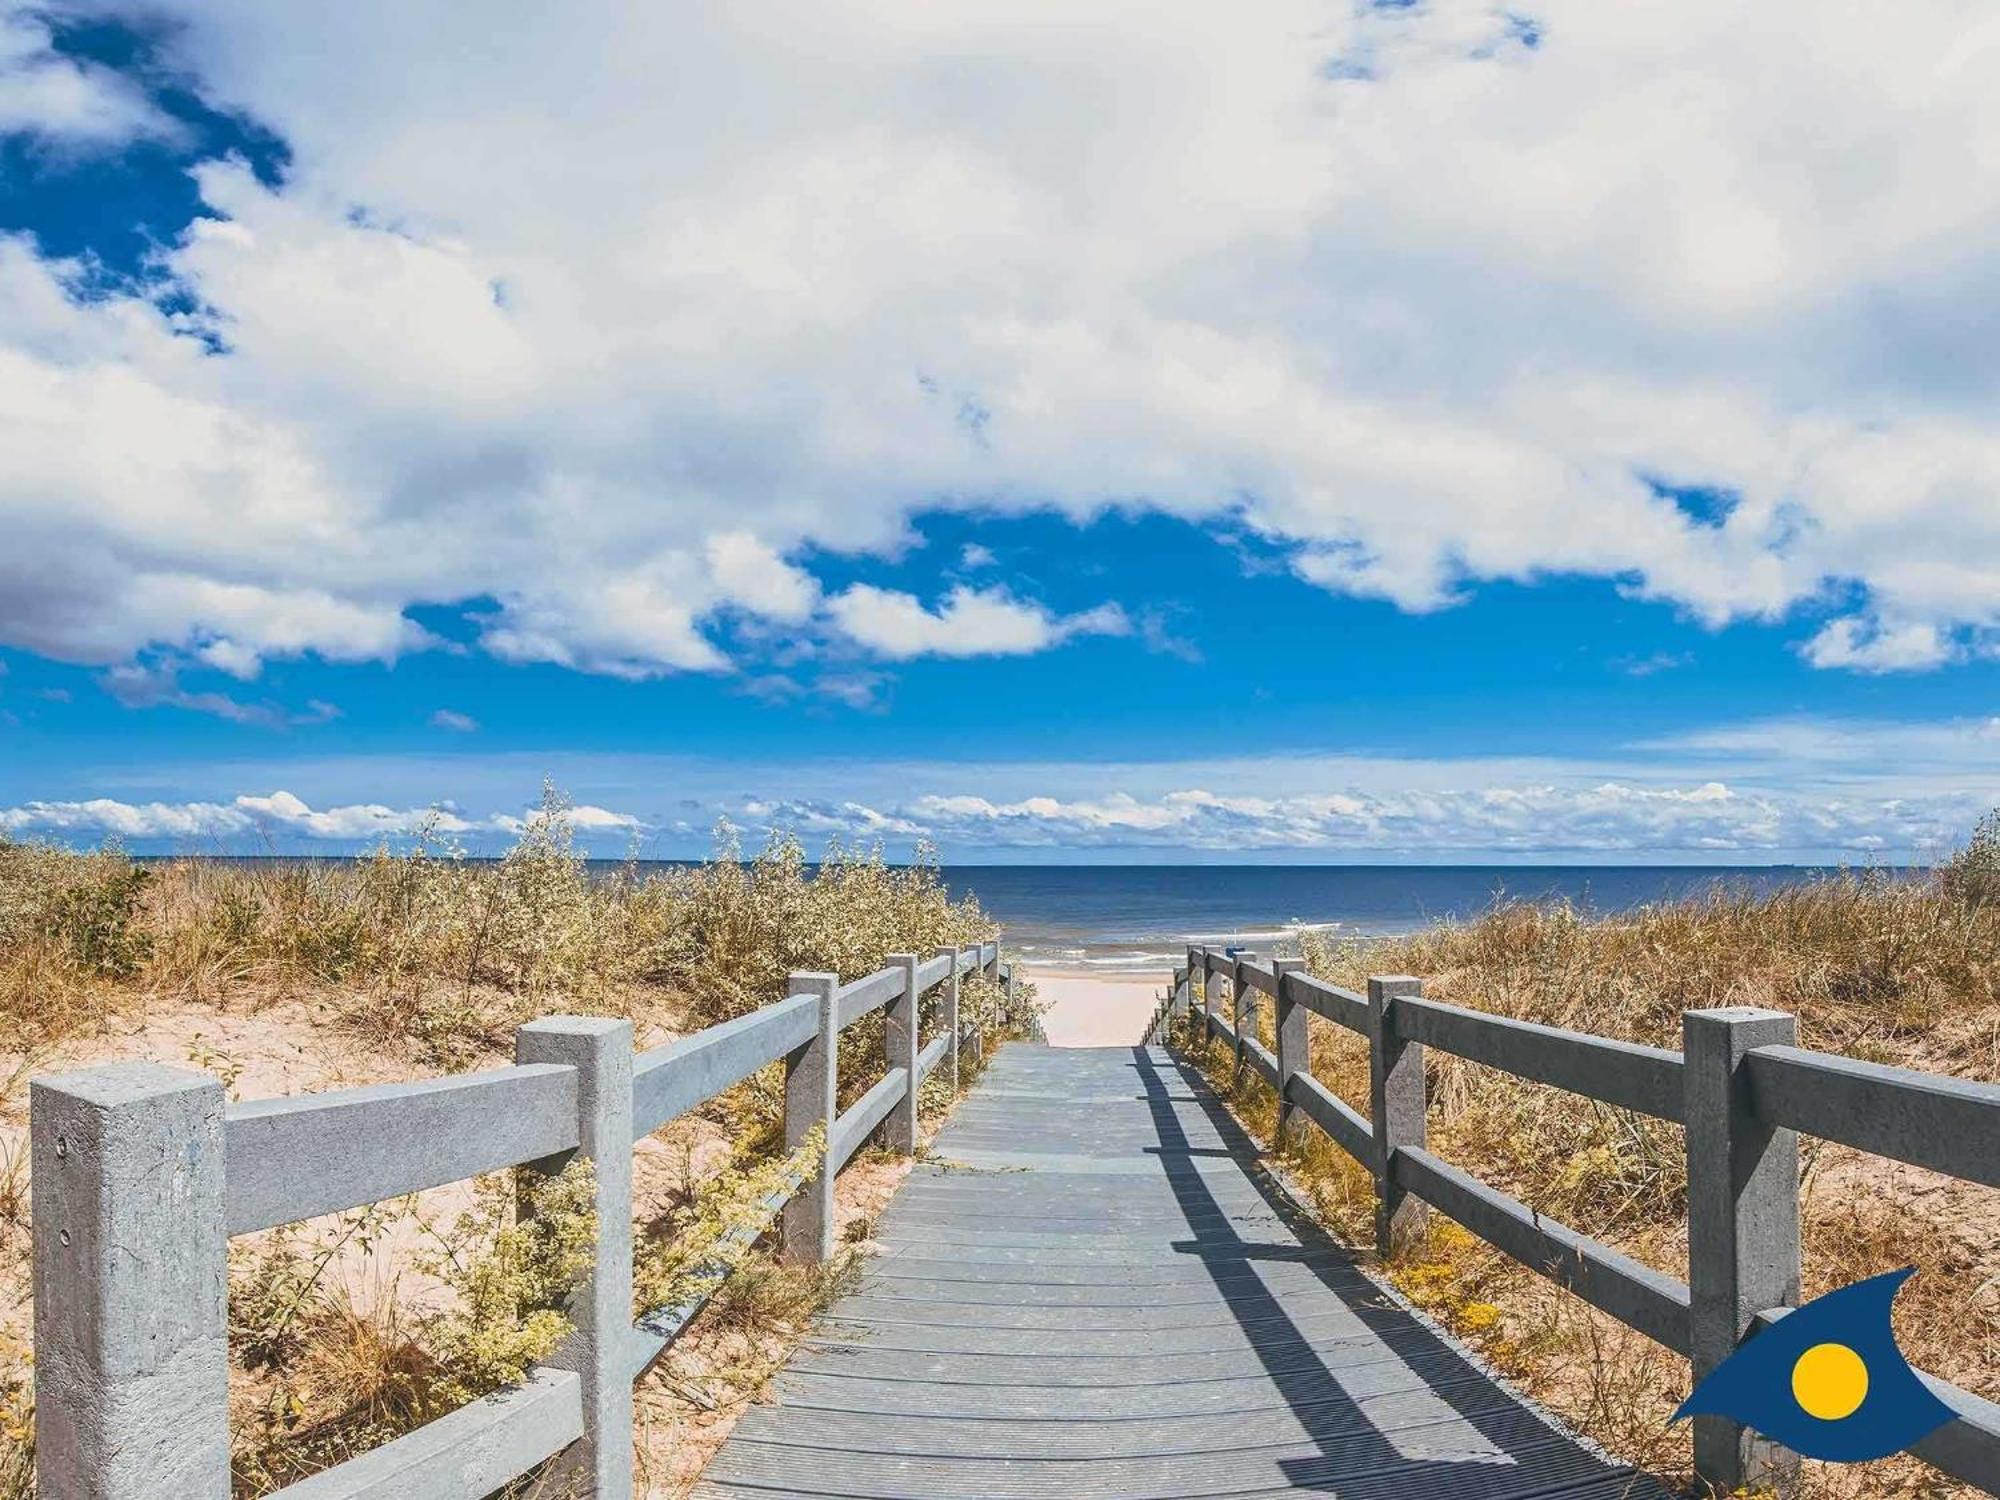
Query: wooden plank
933	971
1624	1074
1252	977
1091	1292
1219	1024
1260	1058
868	994
1635	1295
1326	1109
1342	1007
654	1332
311	1154
466	1455
863	1115
1949	1125
1968	1446
669	1081
929	1057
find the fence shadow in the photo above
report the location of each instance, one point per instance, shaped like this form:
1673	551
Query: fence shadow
1394	1409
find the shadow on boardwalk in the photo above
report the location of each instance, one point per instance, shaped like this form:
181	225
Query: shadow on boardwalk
1092	1292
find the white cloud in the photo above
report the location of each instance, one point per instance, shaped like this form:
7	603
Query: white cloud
1869	645
277	813
452	719
1420	301
64	102
1778	789
969	622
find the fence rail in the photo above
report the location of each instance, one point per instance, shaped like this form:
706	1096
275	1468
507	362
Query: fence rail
1741	1088
141	1174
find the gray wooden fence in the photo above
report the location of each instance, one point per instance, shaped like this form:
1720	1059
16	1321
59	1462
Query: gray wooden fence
1741	1088
142	1173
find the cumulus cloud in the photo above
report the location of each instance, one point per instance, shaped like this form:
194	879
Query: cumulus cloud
277	813
452	719
1776	789
61	101
609	350
968	622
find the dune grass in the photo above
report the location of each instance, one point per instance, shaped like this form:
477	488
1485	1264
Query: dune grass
432	958
1890	967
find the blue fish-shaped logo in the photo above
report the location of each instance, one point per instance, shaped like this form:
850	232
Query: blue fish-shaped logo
1827	1381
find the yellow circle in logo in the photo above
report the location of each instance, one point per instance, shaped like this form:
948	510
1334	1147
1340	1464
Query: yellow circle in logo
1830	1381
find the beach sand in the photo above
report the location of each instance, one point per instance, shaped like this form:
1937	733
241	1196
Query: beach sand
1092	1008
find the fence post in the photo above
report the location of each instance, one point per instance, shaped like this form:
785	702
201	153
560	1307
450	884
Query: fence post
1013	1016
976	1040
812	1080
1183	1002
900	1035
1242	1006
599	1346
1743	1224
951	1015
1396	1106
131	1283
1293	1056
1207	996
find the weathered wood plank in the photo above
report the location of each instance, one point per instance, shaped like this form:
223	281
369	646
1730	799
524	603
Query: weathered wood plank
310	1154
466	1455
932	1054
863	1115
1625	1074
670	1080
1326	1109
868	994
1261	1059
1949	1125
1089	1294
1636	1295
1342	1007
1253	977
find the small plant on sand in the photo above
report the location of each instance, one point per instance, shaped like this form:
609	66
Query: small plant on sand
715	1227
336	1377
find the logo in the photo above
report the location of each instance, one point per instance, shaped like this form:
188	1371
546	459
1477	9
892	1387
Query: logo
1827	1381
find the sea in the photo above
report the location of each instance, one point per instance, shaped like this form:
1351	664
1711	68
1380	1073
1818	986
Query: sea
1144	916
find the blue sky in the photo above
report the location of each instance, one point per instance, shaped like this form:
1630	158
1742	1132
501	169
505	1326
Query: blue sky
855	452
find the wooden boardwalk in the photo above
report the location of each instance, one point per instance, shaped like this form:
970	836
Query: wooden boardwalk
1089	1292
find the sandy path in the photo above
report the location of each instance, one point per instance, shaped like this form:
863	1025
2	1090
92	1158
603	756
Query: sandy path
1090	1008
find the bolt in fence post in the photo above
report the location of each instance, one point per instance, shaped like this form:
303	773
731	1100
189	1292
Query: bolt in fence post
1293	1057
599	1345
900	1035
131	1280
812	1093
1396	1104
1743	1224
951	1015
